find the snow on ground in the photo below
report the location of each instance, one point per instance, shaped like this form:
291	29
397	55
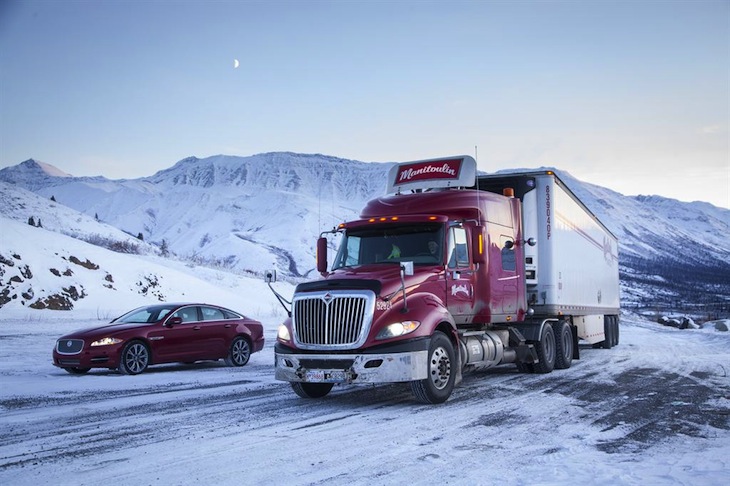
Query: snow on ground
654	410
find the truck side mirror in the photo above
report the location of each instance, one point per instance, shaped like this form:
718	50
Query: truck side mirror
479	254
322	255
270	276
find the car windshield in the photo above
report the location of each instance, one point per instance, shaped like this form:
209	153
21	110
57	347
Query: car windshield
421	244
149	314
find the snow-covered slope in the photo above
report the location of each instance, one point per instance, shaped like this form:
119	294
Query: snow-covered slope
252	213
43	269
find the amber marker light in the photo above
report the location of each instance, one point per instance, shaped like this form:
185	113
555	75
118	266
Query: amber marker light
432	218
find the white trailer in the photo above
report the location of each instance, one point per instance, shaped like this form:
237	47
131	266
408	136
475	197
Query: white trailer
572	269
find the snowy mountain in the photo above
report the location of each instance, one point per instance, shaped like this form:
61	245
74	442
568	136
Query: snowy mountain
247	214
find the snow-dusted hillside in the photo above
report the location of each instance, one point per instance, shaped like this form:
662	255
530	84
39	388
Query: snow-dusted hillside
42	269
252	213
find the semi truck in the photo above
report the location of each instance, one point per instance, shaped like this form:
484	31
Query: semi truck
451	271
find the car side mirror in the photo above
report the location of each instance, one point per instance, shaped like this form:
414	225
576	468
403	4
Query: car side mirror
173	321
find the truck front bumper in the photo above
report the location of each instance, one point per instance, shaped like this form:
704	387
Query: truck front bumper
359	367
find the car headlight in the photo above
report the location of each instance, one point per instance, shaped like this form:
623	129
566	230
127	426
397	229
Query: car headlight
283	333
398	329
106	341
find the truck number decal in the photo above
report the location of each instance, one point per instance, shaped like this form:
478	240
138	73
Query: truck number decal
383	305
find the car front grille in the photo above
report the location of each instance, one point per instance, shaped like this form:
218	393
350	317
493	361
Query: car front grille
332	320
69	346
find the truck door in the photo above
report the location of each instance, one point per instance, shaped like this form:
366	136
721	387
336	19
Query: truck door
459	276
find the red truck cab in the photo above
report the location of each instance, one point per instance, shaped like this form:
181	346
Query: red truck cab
423	283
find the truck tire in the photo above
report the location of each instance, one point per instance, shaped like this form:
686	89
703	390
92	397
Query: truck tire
439	384
311	390
615	330
546	350
563	345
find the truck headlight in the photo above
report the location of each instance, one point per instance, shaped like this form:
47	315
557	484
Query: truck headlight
106	341
283	333
398	329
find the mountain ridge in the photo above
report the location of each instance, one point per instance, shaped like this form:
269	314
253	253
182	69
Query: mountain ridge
266	210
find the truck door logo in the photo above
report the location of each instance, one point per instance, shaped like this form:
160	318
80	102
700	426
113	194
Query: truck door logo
458	289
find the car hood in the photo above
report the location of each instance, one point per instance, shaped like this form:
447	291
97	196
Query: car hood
107	330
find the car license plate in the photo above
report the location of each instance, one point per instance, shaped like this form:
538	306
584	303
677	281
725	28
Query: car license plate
325	376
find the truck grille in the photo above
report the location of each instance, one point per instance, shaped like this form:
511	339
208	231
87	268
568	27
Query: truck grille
332	320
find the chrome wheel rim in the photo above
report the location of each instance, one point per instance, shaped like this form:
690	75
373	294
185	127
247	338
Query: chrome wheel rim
240	352
136	358
440	368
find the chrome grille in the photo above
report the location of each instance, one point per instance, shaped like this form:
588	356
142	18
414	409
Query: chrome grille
69	346
332	320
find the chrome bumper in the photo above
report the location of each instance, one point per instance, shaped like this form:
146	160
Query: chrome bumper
352	368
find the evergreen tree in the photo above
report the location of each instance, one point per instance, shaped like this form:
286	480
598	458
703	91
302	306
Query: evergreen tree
31	221
164	250
53	198
39	223
140	236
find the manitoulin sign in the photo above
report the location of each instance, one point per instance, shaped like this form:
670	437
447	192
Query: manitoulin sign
459	171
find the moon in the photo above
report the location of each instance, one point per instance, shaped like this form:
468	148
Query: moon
236	63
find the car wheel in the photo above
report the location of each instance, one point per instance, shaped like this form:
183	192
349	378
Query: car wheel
77	371
311	390
239	353
439	384
134	359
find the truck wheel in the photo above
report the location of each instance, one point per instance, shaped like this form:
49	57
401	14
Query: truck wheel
439	384
563	345
311	390
545	348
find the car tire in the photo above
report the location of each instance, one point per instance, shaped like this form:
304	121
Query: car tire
239	353
134	359
311	390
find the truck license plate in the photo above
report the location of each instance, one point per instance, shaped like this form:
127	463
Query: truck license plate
325	376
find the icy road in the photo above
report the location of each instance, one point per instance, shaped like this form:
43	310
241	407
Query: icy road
654	410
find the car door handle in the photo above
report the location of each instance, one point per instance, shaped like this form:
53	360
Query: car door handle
196	328
227	326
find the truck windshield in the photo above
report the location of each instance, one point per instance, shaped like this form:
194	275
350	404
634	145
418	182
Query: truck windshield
421	244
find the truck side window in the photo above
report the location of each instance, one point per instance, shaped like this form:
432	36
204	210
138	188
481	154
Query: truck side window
458	254
508	254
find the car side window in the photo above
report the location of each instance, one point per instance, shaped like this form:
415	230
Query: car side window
187	314
212	314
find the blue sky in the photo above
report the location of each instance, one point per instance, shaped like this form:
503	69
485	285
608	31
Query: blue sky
631	95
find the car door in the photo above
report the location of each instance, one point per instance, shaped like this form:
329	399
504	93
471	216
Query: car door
182	341
218	331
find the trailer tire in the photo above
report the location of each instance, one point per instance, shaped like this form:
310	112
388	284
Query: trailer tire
311	390
608	332
546	350
615	330
439	383
563	345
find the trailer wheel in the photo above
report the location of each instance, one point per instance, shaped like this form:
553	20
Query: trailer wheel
439	384
545	348
311	390
563	345
608	331
615	330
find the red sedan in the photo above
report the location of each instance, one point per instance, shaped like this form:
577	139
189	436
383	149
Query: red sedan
162	333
